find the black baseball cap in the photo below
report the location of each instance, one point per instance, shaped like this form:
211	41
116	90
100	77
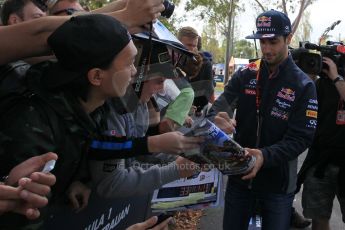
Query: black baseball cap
82	43
160	59
270	24
161	56
179	47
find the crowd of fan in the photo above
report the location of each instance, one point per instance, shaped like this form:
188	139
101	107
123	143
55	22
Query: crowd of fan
73	81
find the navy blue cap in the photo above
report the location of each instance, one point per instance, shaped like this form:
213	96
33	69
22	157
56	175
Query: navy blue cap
207	55
270	24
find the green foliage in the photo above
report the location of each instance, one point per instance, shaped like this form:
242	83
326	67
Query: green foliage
287	6
244	49
212	11
210	42
94	4
215	14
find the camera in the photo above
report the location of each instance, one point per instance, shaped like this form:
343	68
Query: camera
307	60
169	9
309	56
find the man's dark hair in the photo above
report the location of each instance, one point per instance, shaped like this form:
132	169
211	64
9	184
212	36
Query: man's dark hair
12	6
80	87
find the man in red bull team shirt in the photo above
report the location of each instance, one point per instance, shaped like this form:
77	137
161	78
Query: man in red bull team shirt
272	100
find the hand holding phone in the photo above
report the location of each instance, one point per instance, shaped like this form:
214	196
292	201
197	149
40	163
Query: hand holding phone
49	166
30	166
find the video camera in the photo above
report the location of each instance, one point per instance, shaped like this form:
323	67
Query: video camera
309	56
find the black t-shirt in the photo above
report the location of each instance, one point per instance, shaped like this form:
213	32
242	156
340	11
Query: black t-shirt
328	134
12	77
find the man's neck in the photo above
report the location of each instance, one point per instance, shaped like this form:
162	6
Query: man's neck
90	106
274	67
94	101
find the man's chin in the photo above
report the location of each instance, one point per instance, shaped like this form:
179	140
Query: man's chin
269	59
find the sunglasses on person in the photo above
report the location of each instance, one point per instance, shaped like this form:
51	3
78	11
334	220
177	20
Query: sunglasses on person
67	11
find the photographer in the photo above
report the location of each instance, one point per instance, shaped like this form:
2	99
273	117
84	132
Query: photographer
323	170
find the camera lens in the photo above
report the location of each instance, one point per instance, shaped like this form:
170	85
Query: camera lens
169	9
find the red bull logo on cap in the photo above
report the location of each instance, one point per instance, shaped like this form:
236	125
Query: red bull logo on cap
263	21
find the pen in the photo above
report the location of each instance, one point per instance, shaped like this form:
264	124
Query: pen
233	117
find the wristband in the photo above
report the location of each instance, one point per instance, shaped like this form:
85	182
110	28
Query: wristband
339	78
3	179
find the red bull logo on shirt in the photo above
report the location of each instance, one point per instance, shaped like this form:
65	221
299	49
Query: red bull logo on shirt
252	66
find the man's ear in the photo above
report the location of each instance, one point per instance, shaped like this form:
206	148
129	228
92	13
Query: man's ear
288	39
95	76
14	19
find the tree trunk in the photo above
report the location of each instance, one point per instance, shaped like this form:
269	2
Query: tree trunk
299	16
229	39
260	5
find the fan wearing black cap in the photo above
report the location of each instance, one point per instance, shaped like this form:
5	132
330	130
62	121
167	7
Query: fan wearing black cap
91	67
129	117
85	75
276	115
